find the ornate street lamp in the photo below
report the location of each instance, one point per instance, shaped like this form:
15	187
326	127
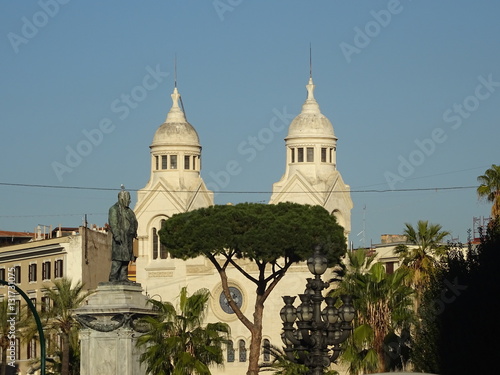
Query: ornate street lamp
316	339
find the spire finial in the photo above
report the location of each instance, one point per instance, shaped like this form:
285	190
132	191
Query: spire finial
175	98
310	90
176	113
310	105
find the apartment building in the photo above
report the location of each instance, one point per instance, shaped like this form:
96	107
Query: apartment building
82	254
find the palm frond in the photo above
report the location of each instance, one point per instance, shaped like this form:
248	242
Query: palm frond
178	342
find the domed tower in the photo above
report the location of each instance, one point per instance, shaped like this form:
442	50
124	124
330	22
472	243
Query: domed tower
311	175
176	150
175	185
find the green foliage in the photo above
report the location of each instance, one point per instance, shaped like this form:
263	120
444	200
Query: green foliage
489	188
64	298
429	239
383	305
422	260
255	231
54	360
4	333
358	352
272	236
58	320
425	349
281	365
178	342
459	312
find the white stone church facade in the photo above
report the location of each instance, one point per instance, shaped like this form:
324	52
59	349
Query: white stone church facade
175	185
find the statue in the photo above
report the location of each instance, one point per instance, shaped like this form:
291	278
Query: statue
123	225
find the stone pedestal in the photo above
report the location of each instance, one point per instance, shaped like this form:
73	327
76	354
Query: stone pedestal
110	327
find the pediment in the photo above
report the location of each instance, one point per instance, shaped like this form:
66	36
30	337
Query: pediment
338	191
298	189
162	194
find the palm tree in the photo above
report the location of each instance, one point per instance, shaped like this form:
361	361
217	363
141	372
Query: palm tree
383	305
58	319
54	355
423	258
281	365
490	188
178	343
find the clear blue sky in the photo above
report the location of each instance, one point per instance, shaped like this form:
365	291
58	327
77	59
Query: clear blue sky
408	85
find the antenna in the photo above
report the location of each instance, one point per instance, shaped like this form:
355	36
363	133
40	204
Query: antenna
310	60
175	85
364	224
363	238
175	70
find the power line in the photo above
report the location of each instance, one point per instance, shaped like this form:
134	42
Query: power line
61	187
52	215
432	175
436	188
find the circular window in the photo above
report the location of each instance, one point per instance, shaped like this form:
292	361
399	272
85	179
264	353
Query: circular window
236	296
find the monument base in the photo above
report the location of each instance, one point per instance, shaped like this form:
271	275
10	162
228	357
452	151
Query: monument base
110	326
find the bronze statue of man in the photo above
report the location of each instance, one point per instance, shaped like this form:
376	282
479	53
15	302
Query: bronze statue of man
123	225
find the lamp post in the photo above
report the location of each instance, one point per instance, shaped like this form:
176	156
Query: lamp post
316	338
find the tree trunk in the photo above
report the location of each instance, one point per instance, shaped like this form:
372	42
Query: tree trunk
256	339
381	361
65	354
379	348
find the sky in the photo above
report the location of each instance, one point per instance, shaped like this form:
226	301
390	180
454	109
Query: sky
412	89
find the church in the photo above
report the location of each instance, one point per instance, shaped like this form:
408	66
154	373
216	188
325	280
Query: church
175	185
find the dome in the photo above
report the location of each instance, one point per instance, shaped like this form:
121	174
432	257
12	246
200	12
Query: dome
311	125
176	130
310	122
181	133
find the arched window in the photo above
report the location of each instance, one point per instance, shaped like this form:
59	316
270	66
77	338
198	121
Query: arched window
266	346
163	249
340	218
155	244
242	351
230	351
